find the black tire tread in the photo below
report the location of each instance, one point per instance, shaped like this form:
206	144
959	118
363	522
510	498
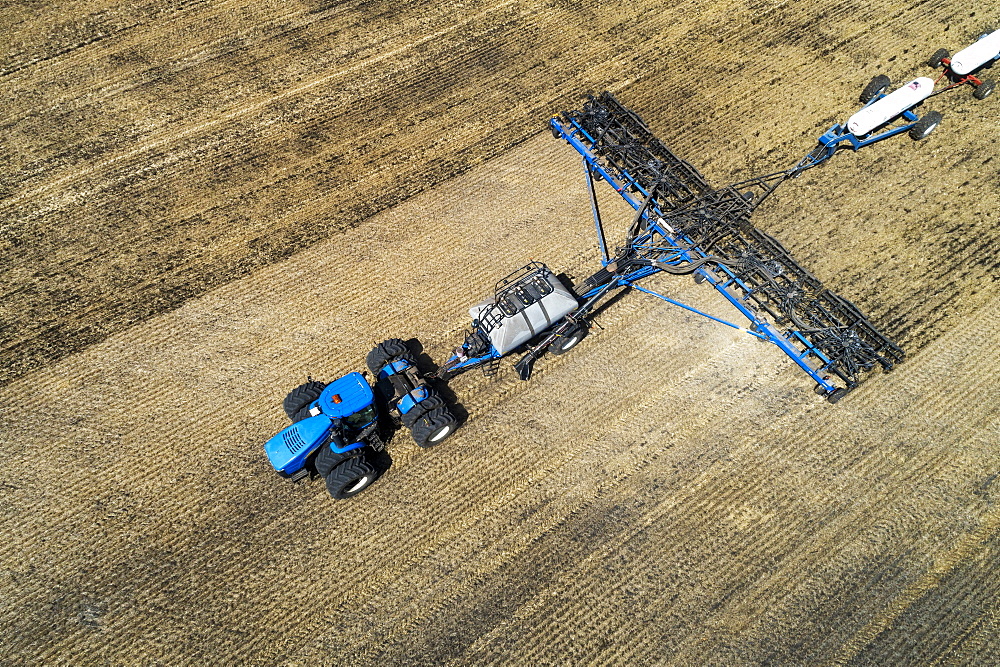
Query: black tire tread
919	131
298	399
345	474
580	330
432	402
386	352
427	425
327	459
939	55
877	84
984	90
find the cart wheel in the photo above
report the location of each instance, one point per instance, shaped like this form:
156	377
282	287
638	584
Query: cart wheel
925	125
984	90
820	391
939	55
876	86
569	340
699	278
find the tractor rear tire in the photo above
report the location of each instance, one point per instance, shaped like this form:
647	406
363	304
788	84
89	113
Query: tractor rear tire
925	125
434	427
939	55
297	402
387	352
432	402
350	478
877	85
984	90
569	340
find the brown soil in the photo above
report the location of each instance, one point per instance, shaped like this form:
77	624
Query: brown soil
670	492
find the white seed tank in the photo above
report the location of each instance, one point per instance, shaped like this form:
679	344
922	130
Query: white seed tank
890	106
524	309
975	56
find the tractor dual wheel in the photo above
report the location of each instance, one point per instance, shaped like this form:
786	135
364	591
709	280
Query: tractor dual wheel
569	340
432	402
386	352
925	125
985	89
350	478
327	459
296	404
876	86
938	57
434	427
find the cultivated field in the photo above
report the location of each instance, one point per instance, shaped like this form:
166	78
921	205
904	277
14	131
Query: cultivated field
202	203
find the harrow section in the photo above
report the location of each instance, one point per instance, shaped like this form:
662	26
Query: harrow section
684	226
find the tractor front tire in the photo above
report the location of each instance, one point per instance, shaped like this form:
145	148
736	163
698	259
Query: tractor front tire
350	478
569	340
877	85
434	427
939	55
985	89
387	352
297	402
925	125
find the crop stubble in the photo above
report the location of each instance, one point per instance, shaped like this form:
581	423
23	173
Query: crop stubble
669	491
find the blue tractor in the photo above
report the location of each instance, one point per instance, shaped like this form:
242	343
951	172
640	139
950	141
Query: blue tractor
339	428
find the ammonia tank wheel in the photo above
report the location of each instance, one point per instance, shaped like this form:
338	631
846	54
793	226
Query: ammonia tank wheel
434	427
569	340
984	90
350	478
939	55
297	402
925	125
385	352
877	85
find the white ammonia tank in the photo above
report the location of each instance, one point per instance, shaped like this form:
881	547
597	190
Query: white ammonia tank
973	57
890	106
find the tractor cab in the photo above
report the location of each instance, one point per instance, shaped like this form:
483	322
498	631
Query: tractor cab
350	400
340	416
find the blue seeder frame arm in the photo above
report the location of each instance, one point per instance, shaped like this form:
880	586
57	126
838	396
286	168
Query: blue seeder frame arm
683	251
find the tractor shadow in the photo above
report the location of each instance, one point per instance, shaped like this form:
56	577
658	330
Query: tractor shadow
427	367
